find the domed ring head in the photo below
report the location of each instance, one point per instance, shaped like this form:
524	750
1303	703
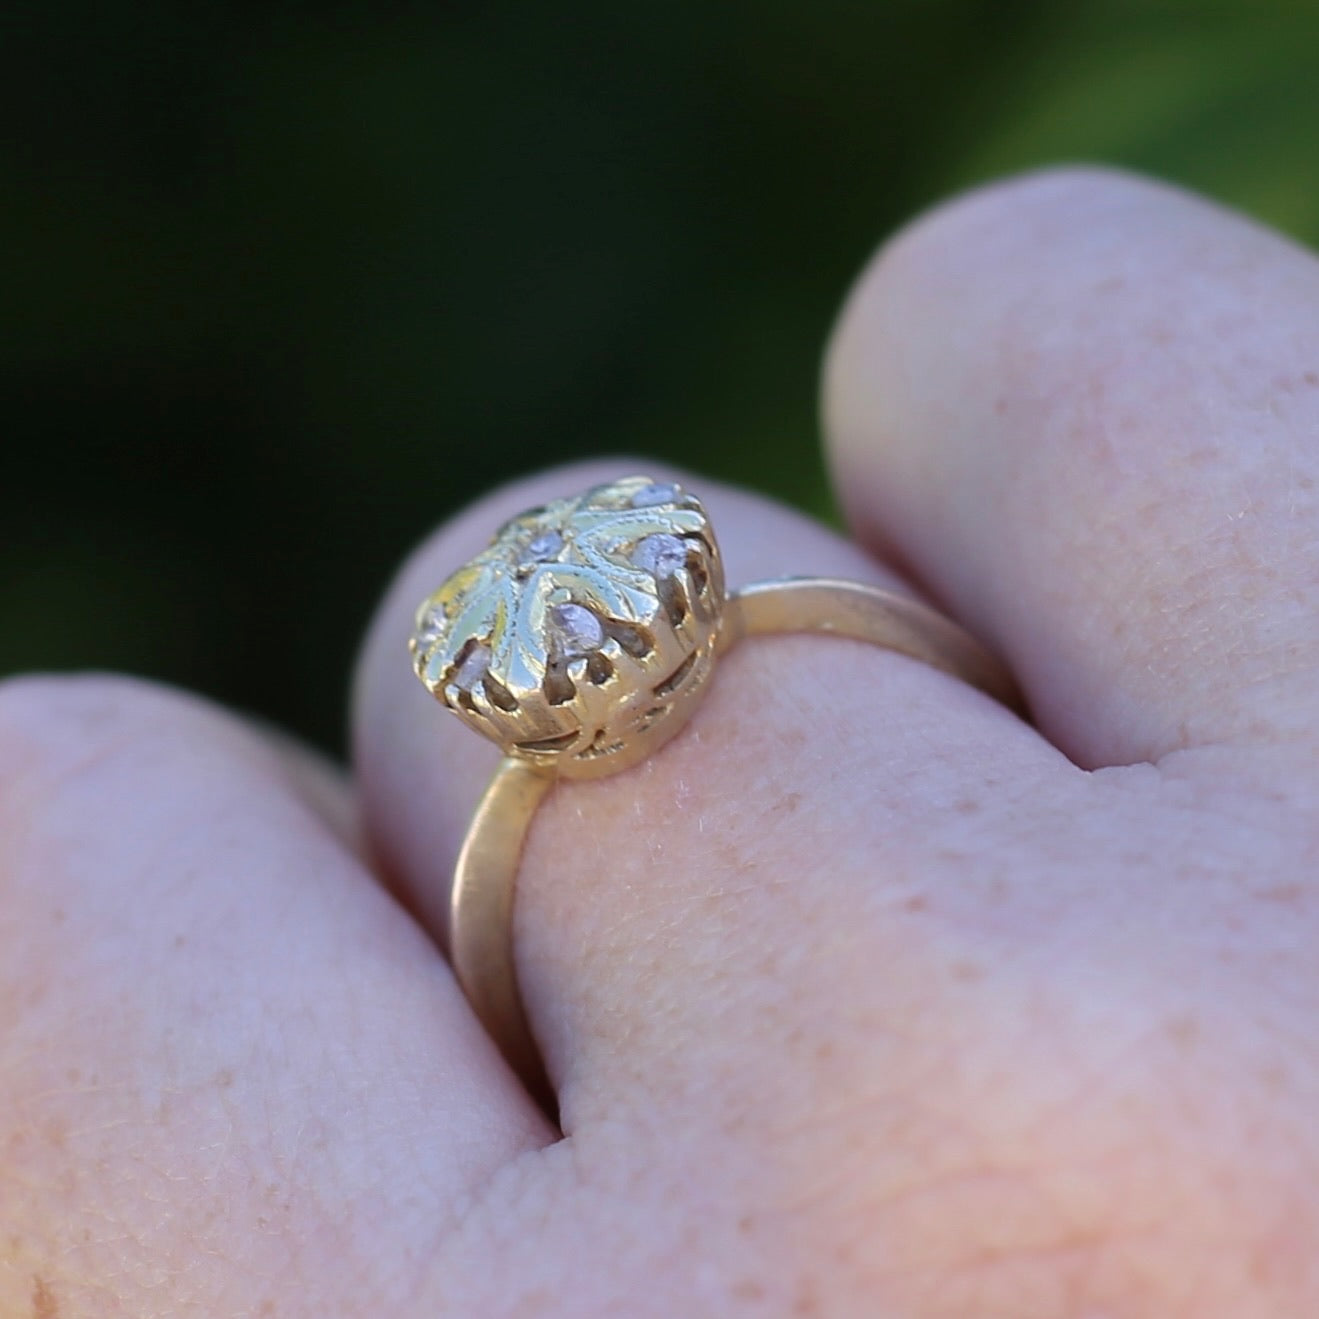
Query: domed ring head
582	639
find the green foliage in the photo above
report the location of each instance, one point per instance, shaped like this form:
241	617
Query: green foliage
286	285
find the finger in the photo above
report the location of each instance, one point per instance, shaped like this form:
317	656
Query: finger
226	1057
651	900
1082	408
321	783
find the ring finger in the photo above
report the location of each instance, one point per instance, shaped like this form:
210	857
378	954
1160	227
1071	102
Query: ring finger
658	910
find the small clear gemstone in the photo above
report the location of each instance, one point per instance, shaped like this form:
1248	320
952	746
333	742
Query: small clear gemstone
429	627
660	554
542	547
651	495
574	630
473	668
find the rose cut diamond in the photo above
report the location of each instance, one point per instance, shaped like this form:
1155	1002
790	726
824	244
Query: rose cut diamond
574	630
660	554
473	668
649	496
542	548
429	627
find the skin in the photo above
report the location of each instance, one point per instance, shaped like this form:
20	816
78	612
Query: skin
862	998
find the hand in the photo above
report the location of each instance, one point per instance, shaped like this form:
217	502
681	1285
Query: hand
862	997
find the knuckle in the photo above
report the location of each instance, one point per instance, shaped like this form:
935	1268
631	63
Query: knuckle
46	710
1094	1180
54	725
1020	202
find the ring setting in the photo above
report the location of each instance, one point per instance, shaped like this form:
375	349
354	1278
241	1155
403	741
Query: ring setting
583	637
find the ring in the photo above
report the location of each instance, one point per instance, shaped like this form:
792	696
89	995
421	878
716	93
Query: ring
581	641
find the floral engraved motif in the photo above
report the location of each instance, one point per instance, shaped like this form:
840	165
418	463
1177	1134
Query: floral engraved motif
585	624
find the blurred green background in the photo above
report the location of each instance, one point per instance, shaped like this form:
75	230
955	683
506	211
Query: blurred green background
287	283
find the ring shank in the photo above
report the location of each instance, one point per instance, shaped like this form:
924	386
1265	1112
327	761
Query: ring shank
866	613
480	933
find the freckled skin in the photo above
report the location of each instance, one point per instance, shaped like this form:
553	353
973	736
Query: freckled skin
44	1305
862	998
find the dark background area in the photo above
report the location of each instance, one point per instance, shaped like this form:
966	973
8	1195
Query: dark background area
285	284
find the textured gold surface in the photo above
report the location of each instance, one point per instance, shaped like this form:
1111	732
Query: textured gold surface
579	641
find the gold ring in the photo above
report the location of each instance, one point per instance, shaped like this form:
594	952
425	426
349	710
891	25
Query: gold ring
582	640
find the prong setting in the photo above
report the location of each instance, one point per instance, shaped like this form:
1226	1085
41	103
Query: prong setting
583	637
